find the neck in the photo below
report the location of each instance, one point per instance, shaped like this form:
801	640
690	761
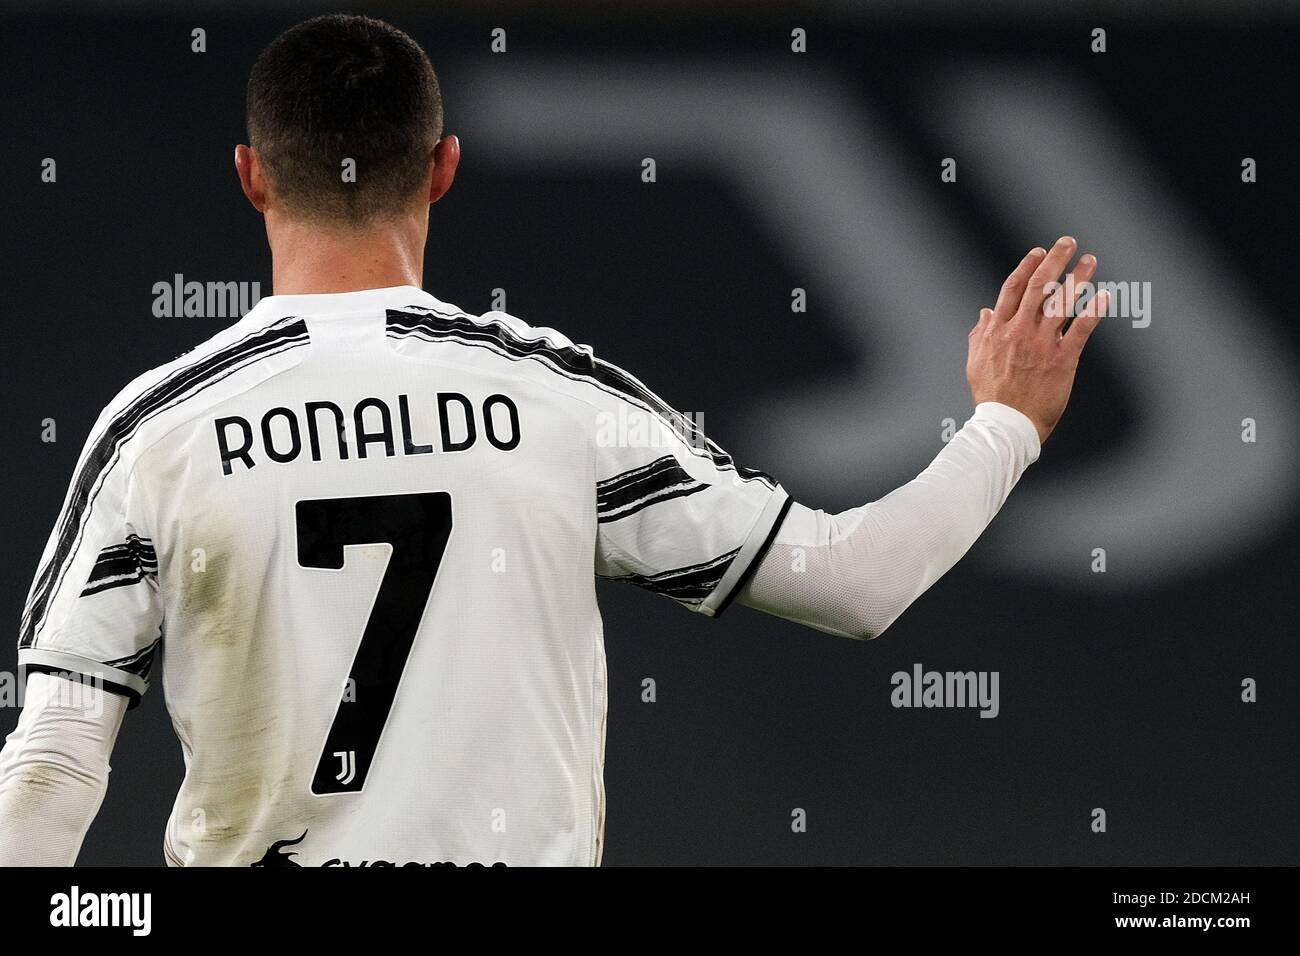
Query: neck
310	258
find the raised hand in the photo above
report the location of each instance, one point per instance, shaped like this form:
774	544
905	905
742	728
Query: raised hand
1021	353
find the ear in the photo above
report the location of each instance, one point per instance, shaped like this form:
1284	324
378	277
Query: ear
251	178
446	157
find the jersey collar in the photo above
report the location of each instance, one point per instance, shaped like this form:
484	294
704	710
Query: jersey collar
337	303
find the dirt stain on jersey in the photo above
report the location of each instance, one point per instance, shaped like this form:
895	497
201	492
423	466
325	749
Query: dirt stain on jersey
240	755
207	602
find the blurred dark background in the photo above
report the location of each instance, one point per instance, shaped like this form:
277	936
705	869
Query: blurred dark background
777	171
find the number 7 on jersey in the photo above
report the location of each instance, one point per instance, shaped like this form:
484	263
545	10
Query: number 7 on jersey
417	526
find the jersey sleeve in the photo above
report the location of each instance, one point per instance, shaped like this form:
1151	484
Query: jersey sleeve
94	609
675	514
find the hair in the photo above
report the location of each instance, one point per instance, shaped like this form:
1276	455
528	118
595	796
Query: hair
342	87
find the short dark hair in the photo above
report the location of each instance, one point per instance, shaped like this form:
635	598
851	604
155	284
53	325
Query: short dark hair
342	87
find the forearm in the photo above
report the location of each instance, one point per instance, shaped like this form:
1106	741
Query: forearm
855	572
54	770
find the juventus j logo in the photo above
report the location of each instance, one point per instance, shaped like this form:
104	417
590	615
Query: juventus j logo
348	761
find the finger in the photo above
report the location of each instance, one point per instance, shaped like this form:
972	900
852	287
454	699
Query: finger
1049	270
1086	321
1059	304
1013	289
982	322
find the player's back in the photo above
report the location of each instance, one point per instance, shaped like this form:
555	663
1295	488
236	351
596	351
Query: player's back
356	533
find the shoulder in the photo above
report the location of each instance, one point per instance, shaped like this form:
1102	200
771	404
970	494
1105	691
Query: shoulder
442	320
539	352
162	392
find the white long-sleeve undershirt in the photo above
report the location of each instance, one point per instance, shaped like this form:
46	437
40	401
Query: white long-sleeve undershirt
54	770
855	572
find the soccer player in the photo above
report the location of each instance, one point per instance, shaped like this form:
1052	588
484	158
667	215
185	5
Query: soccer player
356	533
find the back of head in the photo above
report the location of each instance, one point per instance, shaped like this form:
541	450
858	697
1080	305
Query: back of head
338	88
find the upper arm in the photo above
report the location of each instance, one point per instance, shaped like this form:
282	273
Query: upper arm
94	607
675	514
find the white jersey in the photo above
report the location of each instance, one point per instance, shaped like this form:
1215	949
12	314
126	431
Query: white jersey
357	537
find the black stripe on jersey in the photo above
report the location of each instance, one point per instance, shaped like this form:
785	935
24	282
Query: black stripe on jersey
140	663
626	494
566	360
104	451
689	585
121	564
756	560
